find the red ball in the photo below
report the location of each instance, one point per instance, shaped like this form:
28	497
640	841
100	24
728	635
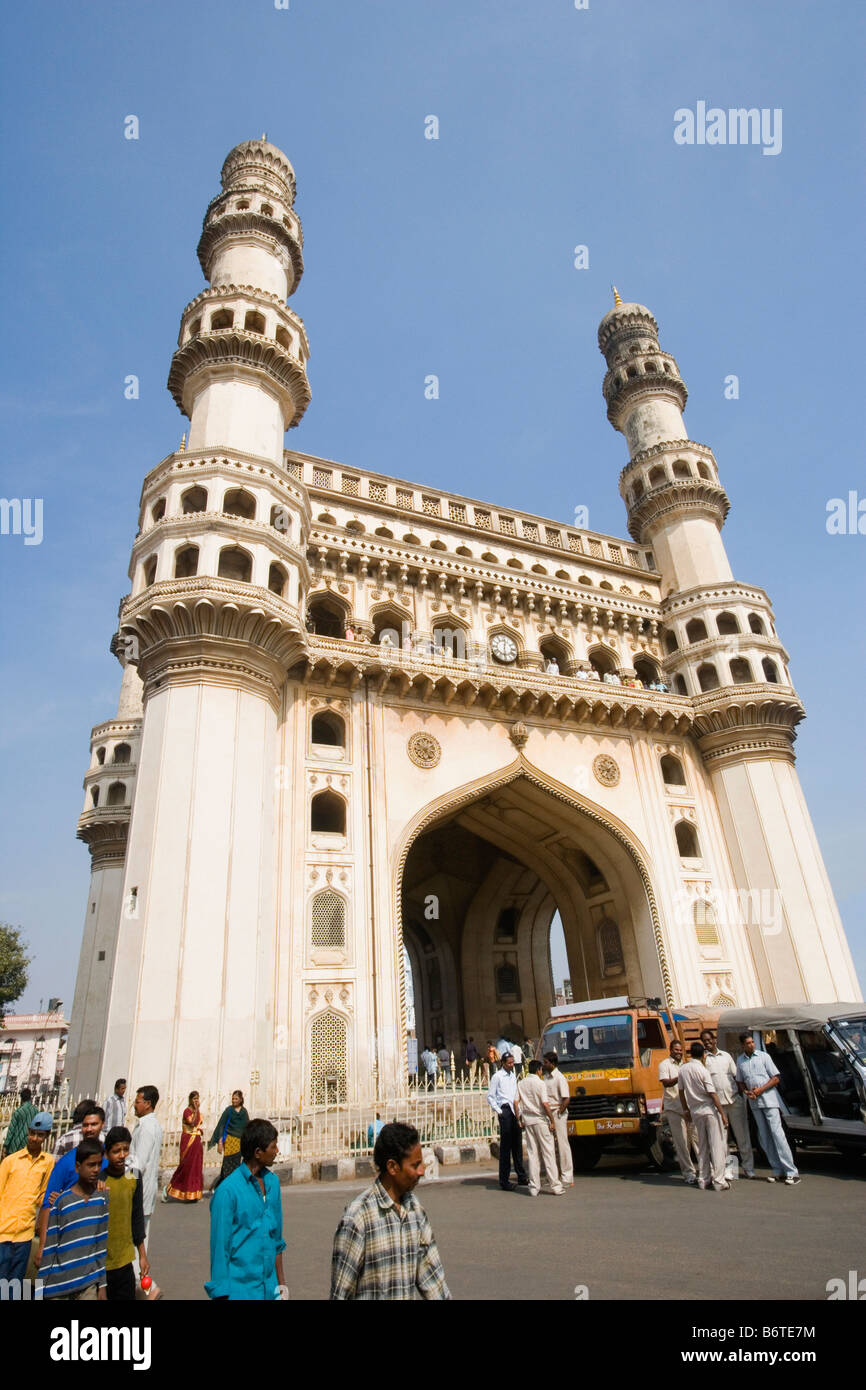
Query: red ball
146	1282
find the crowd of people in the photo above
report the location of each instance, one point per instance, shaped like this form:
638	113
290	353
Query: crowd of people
78	1219
706	1098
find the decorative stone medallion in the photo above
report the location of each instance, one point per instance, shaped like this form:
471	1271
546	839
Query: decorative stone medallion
424	750
606	770
519	734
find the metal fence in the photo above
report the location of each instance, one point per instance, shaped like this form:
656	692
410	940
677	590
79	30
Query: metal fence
453	1111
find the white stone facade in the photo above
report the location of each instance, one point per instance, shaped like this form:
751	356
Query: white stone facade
367	717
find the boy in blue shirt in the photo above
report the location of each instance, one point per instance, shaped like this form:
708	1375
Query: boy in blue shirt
246	1224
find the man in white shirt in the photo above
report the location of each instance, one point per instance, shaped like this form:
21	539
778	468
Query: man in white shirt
558	1096
702	1106
672	1109
759	1077
115	1106
501	1097
723	1070
535	1118
145	1149
430	1064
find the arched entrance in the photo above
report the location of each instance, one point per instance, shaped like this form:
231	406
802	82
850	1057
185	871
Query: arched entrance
482	875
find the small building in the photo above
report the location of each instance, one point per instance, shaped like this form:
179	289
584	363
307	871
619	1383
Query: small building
33	1051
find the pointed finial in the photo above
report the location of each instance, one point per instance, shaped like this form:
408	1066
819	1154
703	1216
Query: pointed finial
616	296
264	137
182	449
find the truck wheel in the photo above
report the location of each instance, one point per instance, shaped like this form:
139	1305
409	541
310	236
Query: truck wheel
585	1154
661	1151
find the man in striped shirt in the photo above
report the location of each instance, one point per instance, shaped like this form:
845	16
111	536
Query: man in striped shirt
384	1249
73	1260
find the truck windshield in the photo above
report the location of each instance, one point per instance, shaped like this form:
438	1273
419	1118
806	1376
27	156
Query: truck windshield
582	1044
853	1030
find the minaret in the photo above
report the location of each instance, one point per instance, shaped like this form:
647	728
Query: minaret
722	650
109	787
219	580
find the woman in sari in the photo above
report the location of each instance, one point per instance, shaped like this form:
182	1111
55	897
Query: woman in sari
227	1135
186	1180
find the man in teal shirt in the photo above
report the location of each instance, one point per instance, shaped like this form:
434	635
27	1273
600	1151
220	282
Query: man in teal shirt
246	1224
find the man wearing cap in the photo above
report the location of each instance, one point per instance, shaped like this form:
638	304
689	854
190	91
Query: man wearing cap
23	1179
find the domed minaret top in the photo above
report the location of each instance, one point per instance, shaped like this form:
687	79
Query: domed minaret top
676	503
239	371
645	394
257	162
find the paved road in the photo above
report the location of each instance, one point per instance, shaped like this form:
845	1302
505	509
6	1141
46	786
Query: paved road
622	1231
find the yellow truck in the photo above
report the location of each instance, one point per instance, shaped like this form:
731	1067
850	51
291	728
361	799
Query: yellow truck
609	1051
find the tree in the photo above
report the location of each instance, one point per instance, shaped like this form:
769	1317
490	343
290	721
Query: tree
14	961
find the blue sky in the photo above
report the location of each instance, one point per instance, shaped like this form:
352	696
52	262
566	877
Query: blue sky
452	257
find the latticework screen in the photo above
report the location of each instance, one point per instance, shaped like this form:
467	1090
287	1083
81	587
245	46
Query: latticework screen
328	921
328	1059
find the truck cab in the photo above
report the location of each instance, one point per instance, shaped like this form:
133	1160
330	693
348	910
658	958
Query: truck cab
609	1052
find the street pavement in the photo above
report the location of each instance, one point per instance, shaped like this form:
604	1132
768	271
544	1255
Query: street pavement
622	1232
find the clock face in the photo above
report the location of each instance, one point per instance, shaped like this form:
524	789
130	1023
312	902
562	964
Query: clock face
504	648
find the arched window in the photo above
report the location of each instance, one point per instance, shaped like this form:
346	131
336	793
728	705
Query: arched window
726	624
506	924
671	644
602	661
681	469
756	624
326	617
157	511
94	796
277	579
122	753
553	650
384	532
704	471
235	564
672	771
329	729
150	570
657	476
117	794
507	983
610	948
771	673
283	339
388	630
186	562
223	318
449	640
193	500
328	921
708	676
646	670
680	685
100	756
696	630
687	840
741	671
706	927
254	322
241	503
328	1059
328	814
722	1001
637	489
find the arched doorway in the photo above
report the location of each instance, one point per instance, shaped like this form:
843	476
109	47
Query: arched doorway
483	877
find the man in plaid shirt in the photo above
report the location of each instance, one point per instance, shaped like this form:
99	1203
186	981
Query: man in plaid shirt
384	1249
